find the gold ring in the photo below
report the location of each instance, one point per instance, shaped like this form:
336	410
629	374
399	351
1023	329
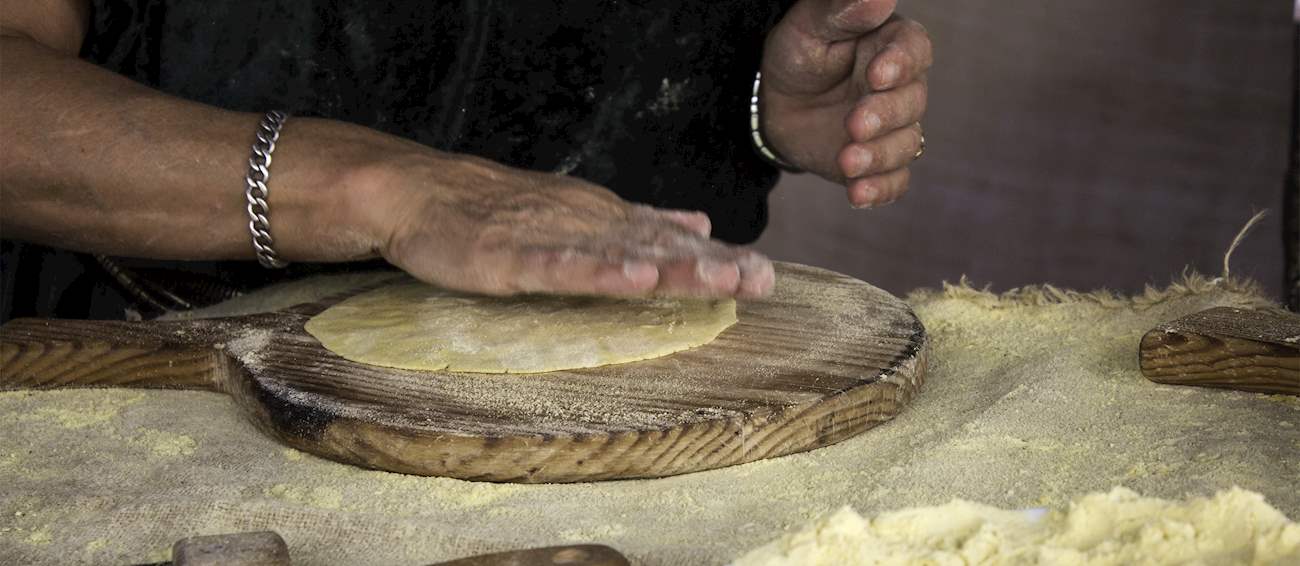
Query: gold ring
920	151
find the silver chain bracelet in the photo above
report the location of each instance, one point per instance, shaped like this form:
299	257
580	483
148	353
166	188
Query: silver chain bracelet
259	172
756	131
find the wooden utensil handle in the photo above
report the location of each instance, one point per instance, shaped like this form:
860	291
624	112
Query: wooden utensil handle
575	555
52	353
262	548
1226	347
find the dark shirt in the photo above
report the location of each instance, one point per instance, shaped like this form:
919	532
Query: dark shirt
647	98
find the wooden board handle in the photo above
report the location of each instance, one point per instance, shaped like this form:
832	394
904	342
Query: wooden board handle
262	548
52	353
1226	347
576	555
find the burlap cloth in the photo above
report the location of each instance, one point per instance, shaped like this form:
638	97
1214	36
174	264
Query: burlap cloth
1032	397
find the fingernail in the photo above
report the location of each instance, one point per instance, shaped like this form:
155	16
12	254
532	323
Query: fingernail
757	275
639	271
889	74
873	123
865	158
869	195
705	271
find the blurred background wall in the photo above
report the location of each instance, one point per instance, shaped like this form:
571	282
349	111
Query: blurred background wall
1086	144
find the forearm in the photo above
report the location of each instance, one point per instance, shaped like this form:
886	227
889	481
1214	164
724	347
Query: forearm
92	161
95	162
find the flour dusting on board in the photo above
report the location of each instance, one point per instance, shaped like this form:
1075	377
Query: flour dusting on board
250	347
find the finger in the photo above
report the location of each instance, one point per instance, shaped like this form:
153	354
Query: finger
568	271
839	20
891	151
904	58
877	190
757	278
887	111
694	266
699	277
689	265
696	222
714	275
677	261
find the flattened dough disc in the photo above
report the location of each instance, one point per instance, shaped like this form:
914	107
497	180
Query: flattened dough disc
412	325
824	358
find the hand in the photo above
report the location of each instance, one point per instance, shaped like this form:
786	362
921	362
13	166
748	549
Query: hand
843	93
475	225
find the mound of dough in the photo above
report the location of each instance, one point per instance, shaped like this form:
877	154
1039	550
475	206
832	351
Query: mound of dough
411	325
1116	528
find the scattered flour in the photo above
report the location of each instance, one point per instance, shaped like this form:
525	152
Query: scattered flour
323	497
602	534
166	444
89	412
40	537
251	346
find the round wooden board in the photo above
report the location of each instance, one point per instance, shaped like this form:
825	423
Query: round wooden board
824	358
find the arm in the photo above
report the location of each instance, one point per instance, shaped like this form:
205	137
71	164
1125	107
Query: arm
95	162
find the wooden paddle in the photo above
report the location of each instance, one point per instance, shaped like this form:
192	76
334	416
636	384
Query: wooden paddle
1252	350
823	359
575	555
267	548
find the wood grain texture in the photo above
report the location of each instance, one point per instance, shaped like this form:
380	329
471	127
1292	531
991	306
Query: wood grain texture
1226	347
576	555
824	358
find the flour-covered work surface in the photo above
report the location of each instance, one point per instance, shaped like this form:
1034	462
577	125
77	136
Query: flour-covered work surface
1032	400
